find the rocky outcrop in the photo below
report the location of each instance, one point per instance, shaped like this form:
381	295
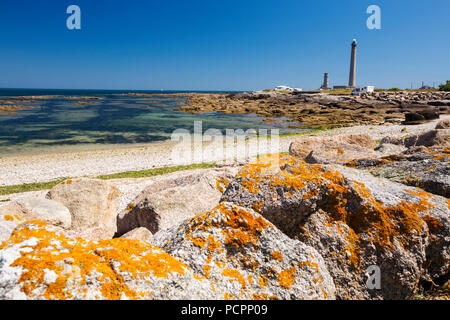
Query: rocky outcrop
444	124
439	138
246	257
319	109
354	145
354	220
92	204
228	252
39	261
41	209
171	199
426	168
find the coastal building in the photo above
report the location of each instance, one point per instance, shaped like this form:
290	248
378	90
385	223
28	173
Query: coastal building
283	88
325	82
352	77
366	89
352	74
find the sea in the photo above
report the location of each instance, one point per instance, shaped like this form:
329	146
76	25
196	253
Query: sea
63	122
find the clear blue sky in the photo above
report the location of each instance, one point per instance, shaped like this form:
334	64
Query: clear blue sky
220	45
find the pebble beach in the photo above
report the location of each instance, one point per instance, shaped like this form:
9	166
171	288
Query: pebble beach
30	168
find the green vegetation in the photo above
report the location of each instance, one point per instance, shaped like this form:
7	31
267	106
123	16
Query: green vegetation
129	174
445	87
339	91
155	172
303	132
389	90
30	187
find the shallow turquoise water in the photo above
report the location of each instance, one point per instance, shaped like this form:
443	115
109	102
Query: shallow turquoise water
115	119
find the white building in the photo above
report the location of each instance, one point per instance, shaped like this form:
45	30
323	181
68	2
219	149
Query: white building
366	89
283	88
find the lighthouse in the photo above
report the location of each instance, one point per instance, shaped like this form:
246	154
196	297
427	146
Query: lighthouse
352	78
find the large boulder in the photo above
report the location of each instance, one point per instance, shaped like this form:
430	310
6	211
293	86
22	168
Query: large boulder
301	148
92	204
423	167
246	257
432	138
41	209
39	261
443	124
354	220
339	154
173	198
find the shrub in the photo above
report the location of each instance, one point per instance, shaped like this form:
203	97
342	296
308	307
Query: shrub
445	87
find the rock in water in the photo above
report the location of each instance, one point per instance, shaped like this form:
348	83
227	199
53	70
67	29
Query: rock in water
41	209
92	204
39	261
246	257
170	200
354	221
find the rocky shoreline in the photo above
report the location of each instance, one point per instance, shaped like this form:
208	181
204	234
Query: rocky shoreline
311	224
322	110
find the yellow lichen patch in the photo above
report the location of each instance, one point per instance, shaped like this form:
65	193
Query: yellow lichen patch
199	242
222	185
262	281
242	226
258	206
262	296
76	260
8	217
207	269
276	255
213	245
228	296
235	275
310	264
130	206
287	277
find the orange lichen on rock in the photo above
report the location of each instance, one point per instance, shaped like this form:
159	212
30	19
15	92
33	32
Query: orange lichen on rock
287	277
77	261
258	206
263	296
262	281
236	275
8	217
384	224
222	185
243	227
276	255
199	242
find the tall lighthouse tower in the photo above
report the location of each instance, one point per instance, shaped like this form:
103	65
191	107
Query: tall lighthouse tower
351	80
